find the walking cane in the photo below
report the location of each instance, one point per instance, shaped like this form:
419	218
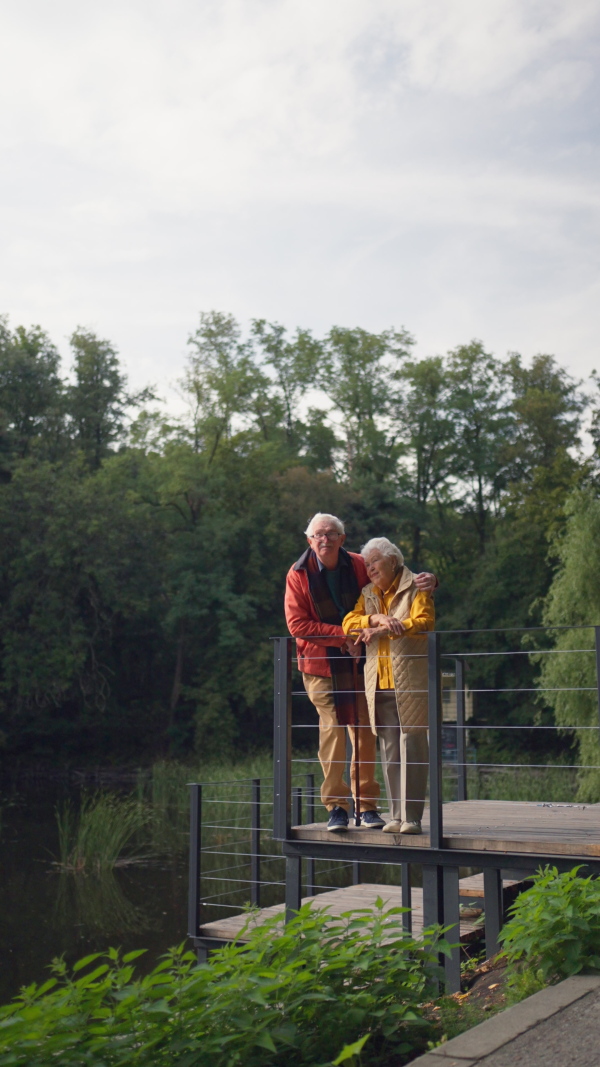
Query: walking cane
356	745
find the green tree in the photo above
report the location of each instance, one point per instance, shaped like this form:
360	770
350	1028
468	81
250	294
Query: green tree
427	433
222	381
81	569
569	676
359	374
98	399
31	394
479	407
295	365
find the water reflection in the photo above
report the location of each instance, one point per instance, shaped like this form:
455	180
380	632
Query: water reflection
97	903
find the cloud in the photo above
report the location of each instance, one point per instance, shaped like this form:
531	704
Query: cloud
306	161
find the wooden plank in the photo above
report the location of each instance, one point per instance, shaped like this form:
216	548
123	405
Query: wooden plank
492	825
338	901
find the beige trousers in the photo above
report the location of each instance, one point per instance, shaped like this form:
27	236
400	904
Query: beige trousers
404	760
332	748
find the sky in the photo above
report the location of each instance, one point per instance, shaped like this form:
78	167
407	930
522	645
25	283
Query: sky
432	164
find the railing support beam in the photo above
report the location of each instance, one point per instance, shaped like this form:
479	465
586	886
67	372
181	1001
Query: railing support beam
435	741
194	865
461	736
452	919
494	908
255	844
282	764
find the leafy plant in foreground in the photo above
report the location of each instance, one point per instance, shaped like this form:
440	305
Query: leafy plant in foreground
302	995
555	926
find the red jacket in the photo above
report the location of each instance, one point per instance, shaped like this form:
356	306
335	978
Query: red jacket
302	618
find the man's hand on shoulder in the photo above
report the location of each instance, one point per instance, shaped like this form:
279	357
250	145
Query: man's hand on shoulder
426	582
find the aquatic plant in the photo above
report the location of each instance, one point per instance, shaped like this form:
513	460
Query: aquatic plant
101	834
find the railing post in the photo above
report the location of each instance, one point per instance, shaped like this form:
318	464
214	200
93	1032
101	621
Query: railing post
597	636
296	806
461	734
351	809
452	919
255	844
293	886
433	897
194	869
435	741
493	904
282	765
310	818
406	897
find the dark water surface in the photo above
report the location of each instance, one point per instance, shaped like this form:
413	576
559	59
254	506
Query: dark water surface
44	913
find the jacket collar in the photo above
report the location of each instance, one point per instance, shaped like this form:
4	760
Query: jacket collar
302	563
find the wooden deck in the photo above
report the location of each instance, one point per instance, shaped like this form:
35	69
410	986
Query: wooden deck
491	825
356	896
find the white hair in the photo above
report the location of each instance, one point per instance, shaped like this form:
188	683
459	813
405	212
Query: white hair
384	547
322	516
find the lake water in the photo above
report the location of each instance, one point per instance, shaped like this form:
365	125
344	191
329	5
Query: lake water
44	914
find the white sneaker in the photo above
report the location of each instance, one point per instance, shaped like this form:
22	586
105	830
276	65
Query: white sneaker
393	827
411	828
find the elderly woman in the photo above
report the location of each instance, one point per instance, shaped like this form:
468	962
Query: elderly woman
389	616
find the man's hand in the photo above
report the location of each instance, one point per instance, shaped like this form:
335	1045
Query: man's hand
353	646
387	622
425	582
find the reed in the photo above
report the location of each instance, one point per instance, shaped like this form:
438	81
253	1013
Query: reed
102	835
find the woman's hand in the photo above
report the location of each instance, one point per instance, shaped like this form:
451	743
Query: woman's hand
371	633
387	622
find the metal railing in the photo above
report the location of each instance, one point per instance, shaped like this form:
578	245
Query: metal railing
295	799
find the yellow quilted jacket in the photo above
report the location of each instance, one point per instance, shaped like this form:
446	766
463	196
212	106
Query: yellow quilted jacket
408	653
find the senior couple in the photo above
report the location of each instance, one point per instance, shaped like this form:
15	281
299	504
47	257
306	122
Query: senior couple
371	603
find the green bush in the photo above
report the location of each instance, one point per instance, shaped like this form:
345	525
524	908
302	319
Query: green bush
554	929
302	996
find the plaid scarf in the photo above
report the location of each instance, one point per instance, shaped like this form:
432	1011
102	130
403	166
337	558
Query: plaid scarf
343	675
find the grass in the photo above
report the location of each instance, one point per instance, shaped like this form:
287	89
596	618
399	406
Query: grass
556	785
101	835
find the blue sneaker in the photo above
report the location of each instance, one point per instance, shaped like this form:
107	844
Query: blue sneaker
338	819
372	819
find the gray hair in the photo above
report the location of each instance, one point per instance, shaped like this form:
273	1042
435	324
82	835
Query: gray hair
323	516
384	547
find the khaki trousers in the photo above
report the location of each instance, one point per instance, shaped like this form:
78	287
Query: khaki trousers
404	759
332	748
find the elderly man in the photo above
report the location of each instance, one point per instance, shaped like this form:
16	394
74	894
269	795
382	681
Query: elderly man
321	588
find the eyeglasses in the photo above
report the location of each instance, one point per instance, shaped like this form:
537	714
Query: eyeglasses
325	535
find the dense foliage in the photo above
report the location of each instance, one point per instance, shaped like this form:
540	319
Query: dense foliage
143	555
554	927
296	996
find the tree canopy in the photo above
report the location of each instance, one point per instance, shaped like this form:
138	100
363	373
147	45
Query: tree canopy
144	553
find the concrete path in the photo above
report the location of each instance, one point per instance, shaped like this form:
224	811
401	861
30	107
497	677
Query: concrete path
559	1027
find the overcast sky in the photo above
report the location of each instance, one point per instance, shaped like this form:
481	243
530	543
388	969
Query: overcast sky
425	163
